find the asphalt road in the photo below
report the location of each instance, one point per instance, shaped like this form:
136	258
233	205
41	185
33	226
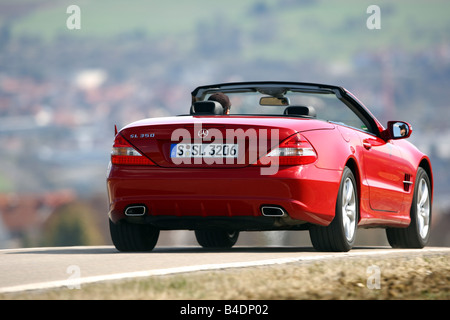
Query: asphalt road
41	268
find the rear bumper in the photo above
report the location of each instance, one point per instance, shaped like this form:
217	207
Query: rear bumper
188	199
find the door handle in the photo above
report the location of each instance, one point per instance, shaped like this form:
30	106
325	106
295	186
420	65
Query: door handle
367	144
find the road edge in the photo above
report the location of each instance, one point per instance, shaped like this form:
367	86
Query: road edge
77	282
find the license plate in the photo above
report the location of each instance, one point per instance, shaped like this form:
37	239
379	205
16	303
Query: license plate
199	150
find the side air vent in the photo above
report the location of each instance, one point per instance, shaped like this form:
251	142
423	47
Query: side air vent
407	182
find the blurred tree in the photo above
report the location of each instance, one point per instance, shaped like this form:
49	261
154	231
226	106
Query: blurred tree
72	224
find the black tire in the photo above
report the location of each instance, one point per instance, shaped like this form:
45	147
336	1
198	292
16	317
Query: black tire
340	234
216	238
129	237
417	234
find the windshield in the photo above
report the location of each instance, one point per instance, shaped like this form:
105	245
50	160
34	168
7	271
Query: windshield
325	104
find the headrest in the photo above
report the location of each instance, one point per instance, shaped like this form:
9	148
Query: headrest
206	107
306	111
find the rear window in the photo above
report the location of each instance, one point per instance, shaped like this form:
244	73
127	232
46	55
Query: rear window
326	105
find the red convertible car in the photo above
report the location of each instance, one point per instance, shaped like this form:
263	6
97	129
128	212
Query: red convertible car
255	156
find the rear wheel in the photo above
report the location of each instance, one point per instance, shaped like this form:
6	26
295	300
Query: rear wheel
216	238
340	234
129	237
416	235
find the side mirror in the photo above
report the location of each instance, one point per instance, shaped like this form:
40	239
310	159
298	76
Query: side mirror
398	130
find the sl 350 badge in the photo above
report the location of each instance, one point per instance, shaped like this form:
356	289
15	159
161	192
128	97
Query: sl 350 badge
142	135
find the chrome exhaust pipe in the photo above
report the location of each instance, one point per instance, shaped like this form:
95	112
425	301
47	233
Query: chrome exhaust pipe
135	211
269	211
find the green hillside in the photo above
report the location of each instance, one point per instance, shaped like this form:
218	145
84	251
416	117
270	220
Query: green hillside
286	29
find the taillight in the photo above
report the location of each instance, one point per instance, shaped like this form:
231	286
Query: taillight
123	153
295	150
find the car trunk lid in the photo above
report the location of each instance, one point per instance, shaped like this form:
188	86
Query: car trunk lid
234	141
